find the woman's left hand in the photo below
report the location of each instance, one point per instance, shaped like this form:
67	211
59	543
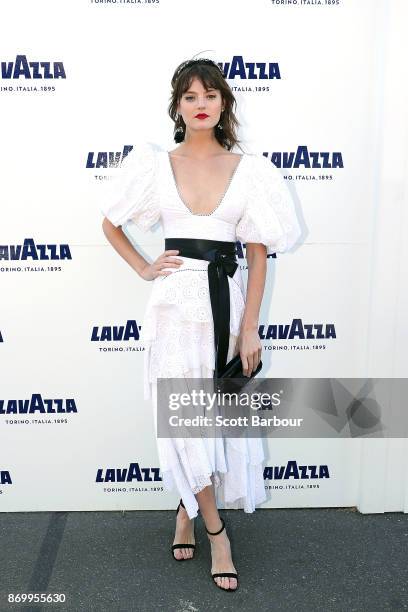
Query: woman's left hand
250	350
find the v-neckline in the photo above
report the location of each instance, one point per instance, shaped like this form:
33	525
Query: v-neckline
226	190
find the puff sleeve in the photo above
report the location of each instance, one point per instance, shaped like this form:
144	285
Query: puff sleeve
132	194
269	215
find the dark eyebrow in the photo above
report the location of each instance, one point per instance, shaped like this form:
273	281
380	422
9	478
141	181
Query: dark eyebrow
191	91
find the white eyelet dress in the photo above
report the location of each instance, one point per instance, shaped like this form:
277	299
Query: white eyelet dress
177	330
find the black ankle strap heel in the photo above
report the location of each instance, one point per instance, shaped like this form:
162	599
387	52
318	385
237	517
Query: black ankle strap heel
219	531
222	574
181	545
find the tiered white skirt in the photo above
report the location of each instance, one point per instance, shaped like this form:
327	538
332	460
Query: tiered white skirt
178	336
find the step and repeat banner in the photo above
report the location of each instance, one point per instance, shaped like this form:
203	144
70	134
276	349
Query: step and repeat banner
318	92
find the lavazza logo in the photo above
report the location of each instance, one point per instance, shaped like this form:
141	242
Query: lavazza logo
5	480
132	479
251	72
129	332
107	159
297	329
31	257
303	158
37	410
294	476
36	75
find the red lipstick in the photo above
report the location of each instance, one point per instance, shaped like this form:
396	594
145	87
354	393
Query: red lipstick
202	116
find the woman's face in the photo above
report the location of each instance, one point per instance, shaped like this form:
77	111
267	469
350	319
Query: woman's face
199	101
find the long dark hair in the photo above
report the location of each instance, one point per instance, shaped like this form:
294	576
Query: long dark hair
210	75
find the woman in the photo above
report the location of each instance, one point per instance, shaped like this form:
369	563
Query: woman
206	198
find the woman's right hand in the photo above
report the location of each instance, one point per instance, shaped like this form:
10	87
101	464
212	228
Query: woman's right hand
165	260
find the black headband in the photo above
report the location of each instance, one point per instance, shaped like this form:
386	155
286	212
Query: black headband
199	60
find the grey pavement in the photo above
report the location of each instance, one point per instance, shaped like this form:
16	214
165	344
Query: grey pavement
313	559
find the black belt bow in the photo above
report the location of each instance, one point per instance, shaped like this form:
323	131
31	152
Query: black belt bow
222	258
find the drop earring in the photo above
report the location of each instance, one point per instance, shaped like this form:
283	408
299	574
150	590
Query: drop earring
219	126
179	132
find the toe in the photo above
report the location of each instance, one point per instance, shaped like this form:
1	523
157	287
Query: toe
233	583
226	583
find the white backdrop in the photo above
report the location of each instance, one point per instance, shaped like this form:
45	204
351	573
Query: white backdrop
340	95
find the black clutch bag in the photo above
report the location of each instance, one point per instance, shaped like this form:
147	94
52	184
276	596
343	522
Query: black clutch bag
233	369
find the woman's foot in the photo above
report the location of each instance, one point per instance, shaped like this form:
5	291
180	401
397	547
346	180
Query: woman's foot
222	561
184	535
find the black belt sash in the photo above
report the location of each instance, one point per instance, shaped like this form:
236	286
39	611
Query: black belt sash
222	257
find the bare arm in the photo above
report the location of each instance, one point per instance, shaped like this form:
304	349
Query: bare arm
124	247
249	342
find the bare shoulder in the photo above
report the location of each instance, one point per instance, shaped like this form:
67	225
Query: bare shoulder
234	155
174	152
228	155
